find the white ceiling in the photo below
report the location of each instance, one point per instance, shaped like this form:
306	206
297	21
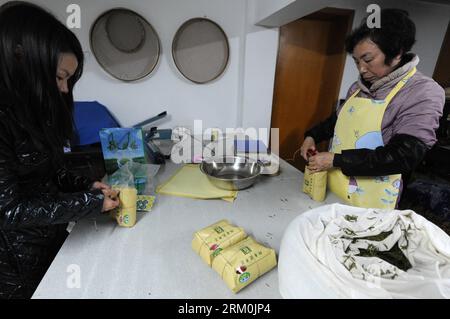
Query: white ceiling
447	2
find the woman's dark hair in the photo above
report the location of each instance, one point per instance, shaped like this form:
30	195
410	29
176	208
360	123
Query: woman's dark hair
396	35
31	43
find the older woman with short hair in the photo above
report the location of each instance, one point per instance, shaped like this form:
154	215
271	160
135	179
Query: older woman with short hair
388	121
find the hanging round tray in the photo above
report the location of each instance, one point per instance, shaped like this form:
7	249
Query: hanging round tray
200	50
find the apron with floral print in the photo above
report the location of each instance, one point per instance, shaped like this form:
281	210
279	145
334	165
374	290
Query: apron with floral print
359	126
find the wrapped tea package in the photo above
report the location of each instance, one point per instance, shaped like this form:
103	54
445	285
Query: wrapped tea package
126	213
211	240
242	263
139	176
315	184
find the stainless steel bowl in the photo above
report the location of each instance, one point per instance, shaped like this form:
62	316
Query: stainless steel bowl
231	172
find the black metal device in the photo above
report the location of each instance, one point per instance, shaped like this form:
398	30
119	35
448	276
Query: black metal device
153	151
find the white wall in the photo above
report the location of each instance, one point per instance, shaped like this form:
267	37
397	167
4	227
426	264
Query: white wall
218	104
431	22
243	95
261	51
266	8
285	11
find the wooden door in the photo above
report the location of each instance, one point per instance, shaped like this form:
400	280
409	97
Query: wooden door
442	70
310	64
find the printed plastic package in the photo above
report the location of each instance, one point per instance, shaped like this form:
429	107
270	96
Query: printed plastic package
134	181
139	176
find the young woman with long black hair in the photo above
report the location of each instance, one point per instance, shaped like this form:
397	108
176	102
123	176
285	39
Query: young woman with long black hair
40	62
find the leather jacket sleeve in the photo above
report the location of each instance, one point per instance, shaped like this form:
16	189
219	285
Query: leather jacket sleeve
44	209
400	155
48	209
36	208
324	130
69	182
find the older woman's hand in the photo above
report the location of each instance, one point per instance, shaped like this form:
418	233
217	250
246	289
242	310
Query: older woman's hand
321	162
309	145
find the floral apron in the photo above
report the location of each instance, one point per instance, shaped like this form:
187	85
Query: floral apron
359	126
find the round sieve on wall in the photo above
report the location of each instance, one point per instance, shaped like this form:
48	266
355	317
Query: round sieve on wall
125	44
200	50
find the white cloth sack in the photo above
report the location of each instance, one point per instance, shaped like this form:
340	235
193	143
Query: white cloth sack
317	255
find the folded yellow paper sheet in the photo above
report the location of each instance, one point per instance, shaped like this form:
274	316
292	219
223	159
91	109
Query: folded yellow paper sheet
190	182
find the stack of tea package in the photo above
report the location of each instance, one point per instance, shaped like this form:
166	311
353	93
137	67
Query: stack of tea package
236	257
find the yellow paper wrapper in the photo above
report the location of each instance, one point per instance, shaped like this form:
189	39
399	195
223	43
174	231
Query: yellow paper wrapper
209	241
126	217
244	262
315	184
127	196
190	182
126	213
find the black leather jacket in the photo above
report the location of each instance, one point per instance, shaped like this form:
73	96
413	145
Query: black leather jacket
37	200
400	155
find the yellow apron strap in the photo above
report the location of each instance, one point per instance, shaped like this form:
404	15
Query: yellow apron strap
354	94
400	85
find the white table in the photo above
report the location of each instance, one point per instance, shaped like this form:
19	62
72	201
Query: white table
154	259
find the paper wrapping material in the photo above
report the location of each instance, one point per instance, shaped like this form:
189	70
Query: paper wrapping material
126	217
126	213
241	264
190	182
211	240
315	184
127	197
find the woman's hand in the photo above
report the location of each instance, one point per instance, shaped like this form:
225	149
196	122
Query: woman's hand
100	185
321	162
308	146
111	200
